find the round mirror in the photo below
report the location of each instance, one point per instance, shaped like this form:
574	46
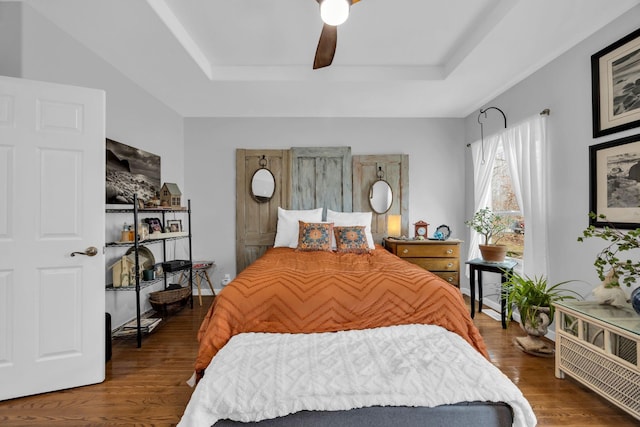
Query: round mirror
263	185
380	196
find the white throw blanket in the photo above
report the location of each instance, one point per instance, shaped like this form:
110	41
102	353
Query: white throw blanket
258	376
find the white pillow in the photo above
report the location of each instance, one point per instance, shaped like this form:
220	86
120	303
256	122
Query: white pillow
287	228
342	219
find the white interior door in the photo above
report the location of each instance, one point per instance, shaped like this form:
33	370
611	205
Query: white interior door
52	304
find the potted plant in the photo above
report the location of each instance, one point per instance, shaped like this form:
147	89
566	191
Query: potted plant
491	226
534	300
611	268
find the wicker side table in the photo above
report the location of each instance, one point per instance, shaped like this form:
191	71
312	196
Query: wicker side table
599	345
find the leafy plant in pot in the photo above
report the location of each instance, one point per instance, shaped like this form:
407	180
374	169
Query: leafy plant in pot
491	227
534	300
611	268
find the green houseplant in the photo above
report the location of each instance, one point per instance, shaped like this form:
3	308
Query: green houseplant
534	299
491	227
612	269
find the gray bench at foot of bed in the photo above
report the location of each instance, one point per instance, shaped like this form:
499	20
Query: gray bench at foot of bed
485	414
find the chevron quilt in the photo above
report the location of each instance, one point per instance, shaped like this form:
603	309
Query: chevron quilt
289	291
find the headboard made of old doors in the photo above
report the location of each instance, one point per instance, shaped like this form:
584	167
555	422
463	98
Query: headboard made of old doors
308	178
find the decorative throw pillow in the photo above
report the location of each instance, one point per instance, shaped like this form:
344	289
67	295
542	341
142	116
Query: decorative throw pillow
351	239
287	228
340	219
314	236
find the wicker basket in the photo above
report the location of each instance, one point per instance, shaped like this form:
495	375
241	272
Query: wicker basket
169	301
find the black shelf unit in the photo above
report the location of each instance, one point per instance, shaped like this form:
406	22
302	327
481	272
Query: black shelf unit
139	283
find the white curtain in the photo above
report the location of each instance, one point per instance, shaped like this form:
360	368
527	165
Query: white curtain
484	155
525	148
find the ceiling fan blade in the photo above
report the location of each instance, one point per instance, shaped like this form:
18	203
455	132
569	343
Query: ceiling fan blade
326	46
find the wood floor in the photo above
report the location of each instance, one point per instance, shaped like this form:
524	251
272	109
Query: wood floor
146	386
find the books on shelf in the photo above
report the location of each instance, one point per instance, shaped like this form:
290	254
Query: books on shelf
147	325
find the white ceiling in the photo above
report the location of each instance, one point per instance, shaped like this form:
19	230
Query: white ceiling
395	58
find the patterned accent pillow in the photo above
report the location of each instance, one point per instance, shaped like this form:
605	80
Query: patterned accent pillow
314	236
343	219
351	239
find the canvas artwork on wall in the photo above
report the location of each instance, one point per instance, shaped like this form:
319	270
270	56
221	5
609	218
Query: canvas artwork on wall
130	171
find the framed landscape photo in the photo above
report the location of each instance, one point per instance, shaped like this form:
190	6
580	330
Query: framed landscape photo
615	86
614	169
130	171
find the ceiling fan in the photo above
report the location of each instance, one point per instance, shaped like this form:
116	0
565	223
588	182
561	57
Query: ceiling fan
333	13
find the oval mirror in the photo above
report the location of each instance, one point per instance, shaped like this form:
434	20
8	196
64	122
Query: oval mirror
263	185
380	196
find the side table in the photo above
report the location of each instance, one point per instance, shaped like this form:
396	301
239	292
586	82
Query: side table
477	266
199	273
599	345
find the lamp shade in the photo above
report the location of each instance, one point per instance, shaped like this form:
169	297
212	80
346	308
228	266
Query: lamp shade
394	225
334	12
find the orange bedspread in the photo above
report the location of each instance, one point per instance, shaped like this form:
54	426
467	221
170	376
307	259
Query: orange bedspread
300	292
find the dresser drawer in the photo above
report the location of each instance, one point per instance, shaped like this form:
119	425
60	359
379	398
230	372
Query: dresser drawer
442	258
449	277
435	250
436	264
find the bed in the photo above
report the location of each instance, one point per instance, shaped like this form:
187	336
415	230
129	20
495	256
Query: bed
321	337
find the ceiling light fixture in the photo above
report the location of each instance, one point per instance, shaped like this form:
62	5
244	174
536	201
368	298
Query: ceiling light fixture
334	12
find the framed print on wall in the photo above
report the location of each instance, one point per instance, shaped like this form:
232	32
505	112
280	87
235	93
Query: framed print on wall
130	171
614	169
615	86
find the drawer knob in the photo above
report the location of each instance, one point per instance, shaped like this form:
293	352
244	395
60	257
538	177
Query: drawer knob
406	251
449	251
450	265
450	279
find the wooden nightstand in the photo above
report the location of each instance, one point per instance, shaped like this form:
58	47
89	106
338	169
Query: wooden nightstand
441	257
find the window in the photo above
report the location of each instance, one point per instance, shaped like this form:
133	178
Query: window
504	203
523	146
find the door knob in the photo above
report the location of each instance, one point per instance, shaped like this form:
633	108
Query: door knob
90	251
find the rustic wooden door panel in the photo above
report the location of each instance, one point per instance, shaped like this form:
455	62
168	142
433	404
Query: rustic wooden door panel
321	177
256	222
395	170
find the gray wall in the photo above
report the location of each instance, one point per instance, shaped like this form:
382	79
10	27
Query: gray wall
10	38
563	86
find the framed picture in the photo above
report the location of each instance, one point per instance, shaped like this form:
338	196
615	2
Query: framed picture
174	225
615	86
614	169
155	225
130	171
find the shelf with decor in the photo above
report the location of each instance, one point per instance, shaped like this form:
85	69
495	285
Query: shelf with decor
135	270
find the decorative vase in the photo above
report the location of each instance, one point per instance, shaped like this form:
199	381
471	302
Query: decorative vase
635	299
533	342
493	253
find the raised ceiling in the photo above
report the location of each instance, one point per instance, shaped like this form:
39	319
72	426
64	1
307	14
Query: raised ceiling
395	58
